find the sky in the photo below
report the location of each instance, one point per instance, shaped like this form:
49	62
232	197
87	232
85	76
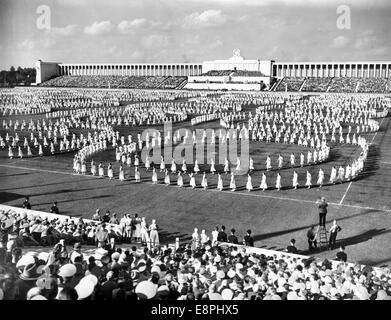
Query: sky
176	31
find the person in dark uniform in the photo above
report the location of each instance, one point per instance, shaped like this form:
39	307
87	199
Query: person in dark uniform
232	238
54	208
341	255
322	208
311	236
248	239
291	248
222	236
26	203
335	228
106	217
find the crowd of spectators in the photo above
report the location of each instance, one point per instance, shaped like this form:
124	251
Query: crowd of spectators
373	85
316	84
205	272
118	82
206	268
343	84
218	73
26	229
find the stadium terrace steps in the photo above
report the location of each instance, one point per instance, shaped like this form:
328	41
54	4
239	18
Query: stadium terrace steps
290	84
303	84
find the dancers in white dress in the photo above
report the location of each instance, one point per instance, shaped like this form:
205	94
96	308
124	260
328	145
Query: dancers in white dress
220	185
333	175
184	166
110	173
249	185
173	166
232	184
341	174
121	175
93	168
154	176
20	152
295	180
137	176
348	173
40	152
268	163
238	164
308	182
293	160
10	152
320	178
167	180
309	157
180	180
136	161
147	163
204	182
251	165
162	164
101	170
226	166
302	160
212	166
278	182
263	185
192	181
280	161
196	168
83	168
128	160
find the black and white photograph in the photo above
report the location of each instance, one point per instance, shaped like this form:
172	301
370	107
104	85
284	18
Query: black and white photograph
184	156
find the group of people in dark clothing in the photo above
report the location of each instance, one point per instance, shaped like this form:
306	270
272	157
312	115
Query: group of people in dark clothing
53	209
232	238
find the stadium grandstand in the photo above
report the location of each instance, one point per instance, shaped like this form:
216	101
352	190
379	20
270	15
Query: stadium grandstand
235	73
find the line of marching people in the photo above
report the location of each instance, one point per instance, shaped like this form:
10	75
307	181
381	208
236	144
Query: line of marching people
340	175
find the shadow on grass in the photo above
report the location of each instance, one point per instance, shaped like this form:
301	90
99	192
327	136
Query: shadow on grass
260	237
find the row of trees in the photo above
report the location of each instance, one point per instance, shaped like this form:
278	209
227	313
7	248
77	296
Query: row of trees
20	76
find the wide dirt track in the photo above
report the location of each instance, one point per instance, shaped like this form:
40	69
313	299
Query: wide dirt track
363	207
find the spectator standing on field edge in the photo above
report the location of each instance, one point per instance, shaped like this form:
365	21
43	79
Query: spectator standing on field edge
322	208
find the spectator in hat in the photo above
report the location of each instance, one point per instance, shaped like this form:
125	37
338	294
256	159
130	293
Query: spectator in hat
67	293
248	239
54	209
341	255
232	238
26	280
291	248
66	273
26	203
48	286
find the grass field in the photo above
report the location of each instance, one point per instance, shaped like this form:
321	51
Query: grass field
363	207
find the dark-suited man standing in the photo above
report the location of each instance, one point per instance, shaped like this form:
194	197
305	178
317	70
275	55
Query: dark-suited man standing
248	239
322	208
222	236
232	238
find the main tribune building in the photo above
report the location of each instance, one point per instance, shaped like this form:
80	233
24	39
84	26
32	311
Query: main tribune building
235	73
